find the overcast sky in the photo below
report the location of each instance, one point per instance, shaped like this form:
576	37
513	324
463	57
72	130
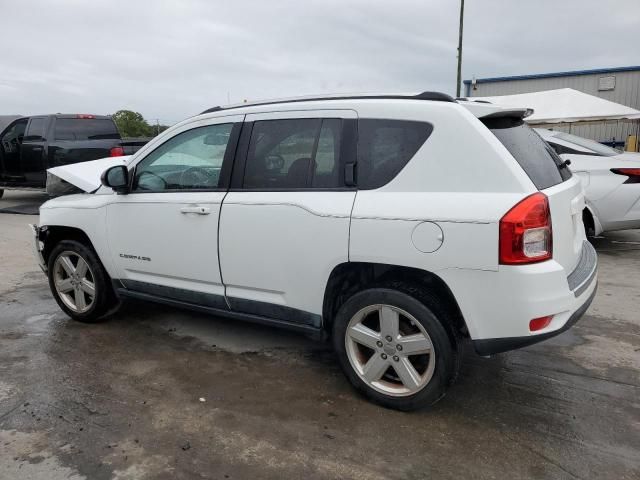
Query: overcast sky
169	60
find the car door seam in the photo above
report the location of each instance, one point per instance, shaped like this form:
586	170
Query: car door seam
353	206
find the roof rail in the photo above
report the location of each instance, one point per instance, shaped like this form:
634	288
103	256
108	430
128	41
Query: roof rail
471	99
433	96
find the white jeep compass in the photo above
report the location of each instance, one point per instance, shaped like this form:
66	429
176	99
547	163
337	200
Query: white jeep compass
396	225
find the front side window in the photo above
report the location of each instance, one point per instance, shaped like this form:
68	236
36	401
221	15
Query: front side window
35	130
385	147
191	160
13	137
293	154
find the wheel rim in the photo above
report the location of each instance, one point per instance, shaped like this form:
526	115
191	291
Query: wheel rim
74	282
390	350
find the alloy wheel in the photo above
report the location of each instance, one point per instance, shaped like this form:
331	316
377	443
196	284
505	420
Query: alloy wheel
74	281
390	350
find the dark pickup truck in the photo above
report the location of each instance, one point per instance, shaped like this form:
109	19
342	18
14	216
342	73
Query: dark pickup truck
31	145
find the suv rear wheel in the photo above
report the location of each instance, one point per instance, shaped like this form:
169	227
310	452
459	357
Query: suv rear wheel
79	282
393	349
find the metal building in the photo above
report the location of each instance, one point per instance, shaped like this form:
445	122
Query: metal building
620	85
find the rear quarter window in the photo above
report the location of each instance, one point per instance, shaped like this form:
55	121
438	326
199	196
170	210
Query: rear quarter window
539	161
385	147
86	129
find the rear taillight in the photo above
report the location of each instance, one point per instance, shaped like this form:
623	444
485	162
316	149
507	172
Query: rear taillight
525	232
85	115
116	152
632	173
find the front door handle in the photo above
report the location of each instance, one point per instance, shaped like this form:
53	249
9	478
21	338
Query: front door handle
197	209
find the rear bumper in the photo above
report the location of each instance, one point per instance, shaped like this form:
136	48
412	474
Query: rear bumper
582	283
498	345
498	305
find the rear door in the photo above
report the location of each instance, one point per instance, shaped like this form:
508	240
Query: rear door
548	173
33	151
285	222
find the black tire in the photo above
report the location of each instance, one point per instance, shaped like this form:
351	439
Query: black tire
446	356
105	302
1	192
589	224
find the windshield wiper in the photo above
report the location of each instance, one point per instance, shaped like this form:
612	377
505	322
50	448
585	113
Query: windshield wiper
564	164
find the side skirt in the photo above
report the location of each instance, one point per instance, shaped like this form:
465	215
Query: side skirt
311	331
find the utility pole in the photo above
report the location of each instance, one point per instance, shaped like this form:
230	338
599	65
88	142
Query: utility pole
460	49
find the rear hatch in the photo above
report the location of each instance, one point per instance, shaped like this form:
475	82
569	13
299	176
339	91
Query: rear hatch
553	178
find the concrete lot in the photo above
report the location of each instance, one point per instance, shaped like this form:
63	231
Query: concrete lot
121	399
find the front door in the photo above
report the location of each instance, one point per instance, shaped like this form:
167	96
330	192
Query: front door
12	137
163	235
285	222
32	152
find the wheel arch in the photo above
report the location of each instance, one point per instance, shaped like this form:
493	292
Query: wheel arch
348	278
588	215
51	235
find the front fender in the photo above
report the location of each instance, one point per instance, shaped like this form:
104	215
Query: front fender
85	213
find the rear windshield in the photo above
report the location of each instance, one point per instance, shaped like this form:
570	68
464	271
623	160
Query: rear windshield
539	161
86	129
592	145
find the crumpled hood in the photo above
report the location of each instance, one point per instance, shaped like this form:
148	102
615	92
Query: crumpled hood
86	175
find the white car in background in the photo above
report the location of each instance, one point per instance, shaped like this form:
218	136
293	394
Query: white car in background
611	180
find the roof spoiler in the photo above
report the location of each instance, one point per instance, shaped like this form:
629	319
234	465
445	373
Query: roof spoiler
509	113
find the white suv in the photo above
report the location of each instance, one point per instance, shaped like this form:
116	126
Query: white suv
396	225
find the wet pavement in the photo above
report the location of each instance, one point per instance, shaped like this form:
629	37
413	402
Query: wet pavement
122	399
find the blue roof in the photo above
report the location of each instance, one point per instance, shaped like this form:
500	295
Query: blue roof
556	74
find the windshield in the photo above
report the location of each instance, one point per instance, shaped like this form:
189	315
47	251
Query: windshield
592	145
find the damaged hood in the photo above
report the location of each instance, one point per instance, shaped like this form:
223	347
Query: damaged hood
86	175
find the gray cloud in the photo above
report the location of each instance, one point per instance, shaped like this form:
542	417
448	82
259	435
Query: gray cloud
170	60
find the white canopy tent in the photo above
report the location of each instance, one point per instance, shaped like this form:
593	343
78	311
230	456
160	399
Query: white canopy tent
565	105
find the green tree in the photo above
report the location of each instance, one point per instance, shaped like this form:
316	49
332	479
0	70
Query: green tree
132	124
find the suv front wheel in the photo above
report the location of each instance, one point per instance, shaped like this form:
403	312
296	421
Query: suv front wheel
79	282
393	349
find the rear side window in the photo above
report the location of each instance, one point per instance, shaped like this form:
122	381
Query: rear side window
540	162
294	154
86	129
385	147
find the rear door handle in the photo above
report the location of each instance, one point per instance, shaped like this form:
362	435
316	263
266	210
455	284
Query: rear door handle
197	209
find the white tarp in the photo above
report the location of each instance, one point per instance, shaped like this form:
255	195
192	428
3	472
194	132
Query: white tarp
565	105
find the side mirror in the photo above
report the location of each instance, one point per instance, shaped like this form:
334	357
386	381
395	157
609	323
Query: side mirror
116	178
